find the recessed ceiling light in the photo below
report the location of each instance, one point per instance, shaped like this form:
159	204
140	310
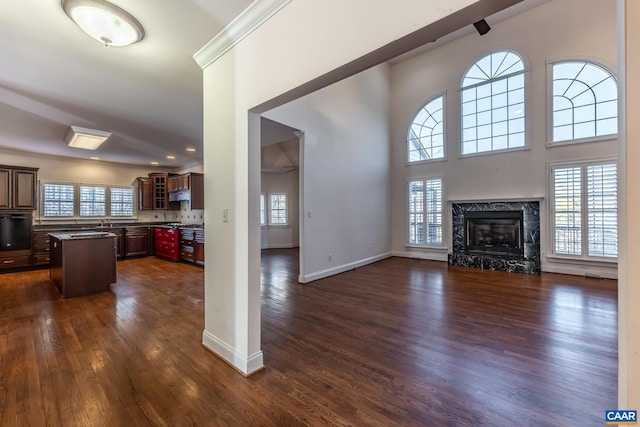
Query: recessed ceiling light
104	22
171	157
87	139
155	163
192	150
94	158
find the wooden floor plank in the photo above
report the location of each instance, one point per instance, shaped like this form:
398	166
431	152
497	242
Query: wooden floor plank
398	342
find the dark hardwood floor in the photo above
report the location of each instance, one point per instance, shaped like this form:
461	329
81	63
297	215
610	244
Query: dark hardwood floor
399	342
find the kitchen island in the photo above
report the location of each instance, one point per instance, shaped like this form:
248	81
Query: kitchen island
82	263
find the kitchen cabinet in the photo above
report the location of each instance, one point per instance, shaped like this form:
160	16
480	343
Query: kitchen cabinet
41	249
167	243
15	259
192	245
18	186
188	186
82	263
138	241
153	193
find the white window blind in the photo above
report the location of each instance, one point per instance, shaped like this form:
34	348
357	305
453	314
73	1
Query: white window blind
58	200
602	199
121	201
585	210
93	201
425	211
278	209
567	183
263	210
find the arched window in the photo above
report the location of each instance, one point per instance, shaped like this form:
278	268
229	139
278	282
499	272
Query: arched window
493	104
585	101
425	140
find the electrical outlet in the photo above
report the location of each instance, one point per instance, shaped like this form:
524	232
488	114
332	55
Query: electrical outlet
225	215
330	257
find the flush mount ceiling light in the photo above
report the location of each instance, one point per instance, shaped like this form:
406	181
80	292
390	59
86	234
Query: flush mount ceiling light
105	22
87	139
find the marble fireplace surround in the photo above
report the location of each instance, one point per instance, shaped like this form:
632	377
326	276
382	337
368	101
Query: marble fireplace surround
528	264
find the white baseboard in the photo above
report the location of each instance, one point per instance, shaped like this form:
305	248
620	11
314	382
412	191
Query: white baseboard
580	270
245	365
342	268
433	256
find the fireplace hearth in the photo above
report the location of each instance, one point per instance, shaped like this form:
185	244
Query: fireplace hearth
497	236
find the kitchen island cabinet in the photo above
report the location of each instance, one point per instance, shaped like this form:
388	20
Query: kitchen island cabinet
82	263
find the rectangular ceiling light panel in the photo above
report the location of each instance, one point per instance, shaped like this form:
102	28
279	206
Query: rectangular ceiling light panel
84	138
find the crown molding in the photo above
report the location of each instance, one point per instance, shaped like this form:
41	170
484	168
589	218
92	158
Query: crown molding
244	24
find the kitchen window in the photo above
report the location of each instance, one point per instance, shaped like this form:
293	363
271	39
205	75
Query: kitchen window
73	200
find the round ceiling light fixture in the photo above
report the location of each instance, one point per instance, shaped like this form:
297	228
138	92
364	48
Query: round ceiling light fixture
104	21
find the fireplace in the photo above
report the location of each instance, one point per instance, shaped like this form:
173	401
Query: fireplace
494	233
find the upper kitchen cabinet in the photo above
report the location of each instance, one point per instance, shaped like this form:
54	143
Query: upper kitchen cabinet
188	186
153	193
18	187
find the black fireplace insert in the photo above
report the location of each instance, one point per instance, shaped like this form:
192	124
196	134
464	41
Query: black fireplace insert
494	232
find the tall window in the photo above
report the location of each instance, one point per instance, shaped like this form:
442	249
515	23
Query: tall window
263	210
585	101
426	133
58	200
121	202
493	104
93	201
585	209
278	209
425	211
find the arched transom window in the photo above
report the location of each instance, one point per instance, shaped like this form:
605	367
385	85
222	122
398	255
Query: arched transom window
585	101
425	140
493	104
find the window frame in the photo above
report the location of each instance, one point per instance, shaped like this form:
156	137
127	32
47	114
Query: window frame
263	210
270	210
443	219
584	211
550	122
526	96
76	202
442	95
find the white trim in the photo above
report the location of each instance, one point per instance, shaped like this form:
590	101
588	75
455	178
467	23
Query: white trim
342	268
580	270
247	365
427	255
244	24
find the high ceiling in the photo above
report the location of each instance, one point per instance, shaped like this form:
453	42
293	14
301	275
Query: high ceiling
149	95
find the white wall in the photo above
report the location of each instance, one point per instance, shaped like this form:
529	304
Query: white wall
281	236
345	167
555	30
285	57
66	169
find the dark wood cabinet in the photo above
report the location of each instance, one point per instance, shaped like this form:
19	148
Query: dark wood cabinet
18	187
139	241
188	186
15	259
153	193
41	249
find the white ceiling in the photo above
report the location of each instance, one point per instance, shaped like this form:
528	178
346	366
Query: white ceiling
149	95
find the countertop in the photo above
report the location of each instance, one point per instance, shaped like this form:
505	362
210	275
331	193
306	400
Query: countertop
82	235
